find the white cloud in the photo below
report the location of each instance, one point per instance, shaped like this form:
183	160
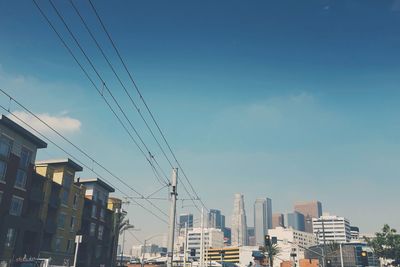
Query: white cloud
62	123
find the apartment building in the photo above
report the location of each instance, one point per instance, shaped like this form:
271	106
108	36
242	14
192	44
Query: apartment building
97	230
62	209
19	226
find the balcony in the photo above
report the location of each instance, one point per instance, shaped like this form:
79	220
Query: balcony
50	226
36	195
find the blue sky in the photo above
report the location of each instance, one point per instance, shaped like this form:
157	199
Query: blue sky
285	99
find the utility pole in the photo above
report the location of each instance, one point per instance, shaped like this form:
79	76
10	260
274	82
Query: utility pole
185	246
202	238
172	215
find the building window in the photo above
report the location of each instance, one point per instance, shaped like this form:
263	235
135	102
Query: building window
20	180
61	220
102	214
100	233
75	203
1	196
16	205
3	168
95	195
25	158
10	238
58	244
64	197
94	211
67	180
72	223
98	251
70	245
5	146
92	229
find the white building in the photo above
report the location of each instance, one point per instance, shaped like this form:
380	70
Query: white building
290	240
148	251
262	219
213	238
239	222
332	228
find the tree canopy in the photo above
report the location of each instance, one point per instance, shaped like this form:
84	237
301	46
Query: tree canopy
386	244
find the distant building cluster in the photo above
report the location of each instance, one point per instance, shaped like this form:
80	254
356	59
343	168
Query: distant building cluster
295	233
45	211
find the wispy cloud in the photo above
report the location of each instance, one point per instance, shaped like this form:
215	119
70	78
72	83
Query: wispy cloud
62	123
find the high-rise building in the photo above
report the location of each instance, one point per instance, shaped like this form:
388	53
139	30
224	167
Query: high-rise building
331	228
278	220
260	220
295	220
269	213
239	222
251	236
186	219
216	219
310	210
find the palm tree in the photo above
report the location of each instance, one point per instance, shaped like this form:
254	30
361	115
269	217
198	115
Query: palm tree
272	251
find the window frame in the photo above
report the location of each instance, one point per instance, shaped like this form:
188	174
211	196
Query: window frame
21	206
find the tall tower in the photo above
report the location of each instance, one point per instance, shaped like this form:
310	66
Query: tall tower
239	223
310	210
260	220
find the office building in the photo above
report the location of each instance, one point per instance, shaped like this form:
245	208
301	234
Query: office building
289	240
354	233
260	220
310	210
239	222
216	219
20	225
227	236
186	219
278	220
97	227
251	236
63	212
212	238
332	228
295	220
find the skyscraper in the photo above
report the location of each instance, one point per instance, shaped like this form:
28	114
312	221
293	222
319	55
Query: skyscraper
295	220
216	219
260	220
269	213
278	220
239	223
310	210
185	218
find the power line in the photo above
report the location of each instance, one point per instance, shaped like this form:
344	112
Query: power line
104	84
75	146
145	104
79	161
94	85
136	107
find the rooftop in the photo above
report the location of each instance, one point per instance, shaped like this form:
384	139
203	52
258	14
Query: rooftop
22	131
69	162
96	180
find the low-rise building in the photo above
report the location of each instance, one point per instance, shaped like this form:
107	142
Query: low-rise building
291	241
62	209
96	248
20	226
